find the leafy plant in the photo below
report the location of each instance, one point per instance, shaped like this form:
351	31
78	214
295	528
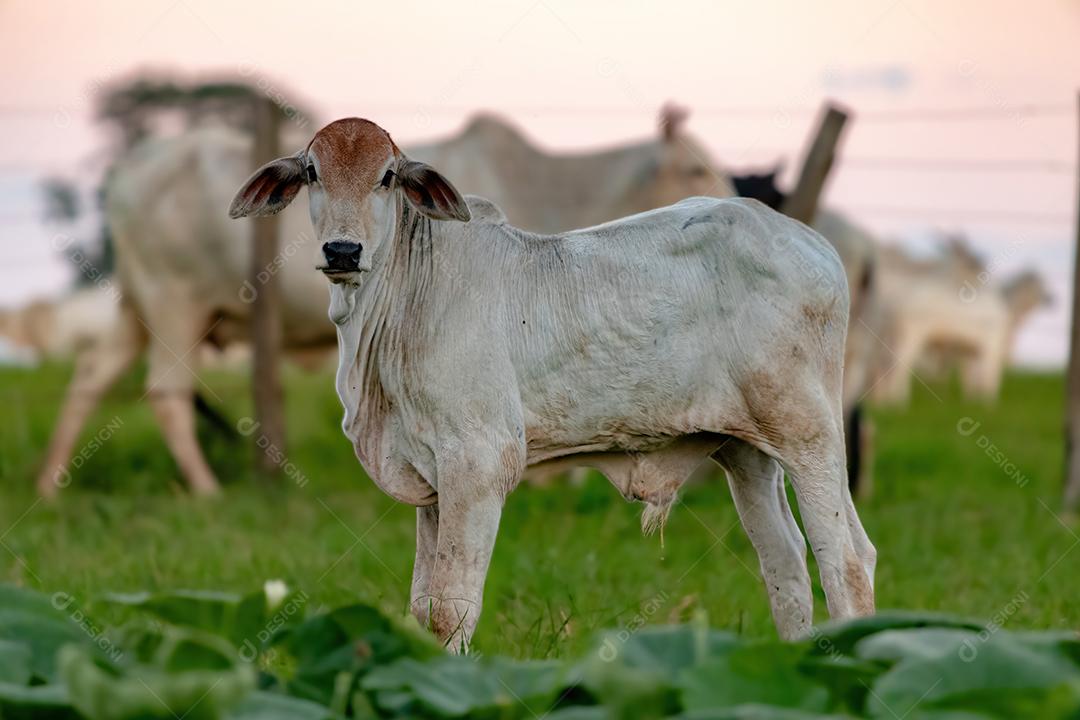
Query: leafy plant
191	654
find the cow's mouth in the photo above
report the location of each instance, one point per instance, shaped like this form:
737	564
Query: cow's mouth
340	274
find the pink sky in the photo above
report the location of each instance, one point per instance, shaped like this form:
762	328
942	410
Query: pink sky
577	74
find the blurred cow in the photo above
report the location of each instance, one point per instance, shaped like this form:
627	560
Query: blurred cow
945	310
184	269
163	205
52	329
547	192
915	314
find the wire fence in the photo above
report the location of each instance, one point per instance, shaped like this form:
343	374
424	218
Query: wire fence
847	163
1003	110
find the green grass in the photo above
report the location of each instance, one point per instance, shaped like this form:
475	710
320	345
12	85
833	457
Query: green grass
955	532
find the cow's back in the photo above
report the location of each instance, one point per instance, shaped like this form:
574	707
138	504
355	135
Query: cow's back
631	319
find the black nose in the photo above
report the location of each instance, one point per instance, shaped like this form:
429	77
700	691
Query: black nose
342	256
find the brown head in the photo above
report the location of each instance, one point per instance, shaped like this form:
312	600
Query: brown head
354	173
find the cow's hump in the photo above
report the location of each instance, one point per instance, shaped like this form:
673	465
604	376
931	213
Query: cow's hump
484	210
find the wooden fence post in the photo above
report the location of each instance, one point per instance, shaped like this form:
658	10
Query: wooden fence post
266	307
1072	375
802	201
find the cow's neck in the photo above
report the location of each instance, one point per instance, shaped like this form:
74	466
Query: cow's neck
377	323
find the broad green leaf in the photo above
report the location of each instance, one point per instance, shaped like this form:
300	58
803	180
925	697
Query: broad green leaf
352	639
248	621
635	672
453	686
207	610
175	686
387	636
667	649
1067	643
892	646
760	673
15	658
38	702
43	625
756	712
949	715
579	712
395	703
840	636
848	679
630	693
1001	676
272	706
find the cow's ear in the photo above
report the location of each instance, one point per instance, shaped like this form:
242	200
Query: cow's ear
270	189
431	193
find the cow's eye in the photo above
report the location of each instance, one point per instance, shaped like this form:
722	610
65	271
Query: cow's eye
387	179
312	176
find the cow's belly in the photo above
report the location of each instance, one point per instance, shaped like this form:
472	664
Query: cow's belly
590	408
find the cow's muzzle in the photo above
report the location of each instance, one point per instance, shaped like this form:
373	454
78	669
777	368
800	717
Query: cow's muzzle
342	258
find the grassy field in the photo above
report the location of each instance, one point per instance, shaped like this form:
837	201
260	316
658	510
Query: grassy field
963	518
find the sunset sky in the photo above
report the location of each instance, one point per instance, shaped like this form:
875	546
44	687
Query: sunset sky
965	113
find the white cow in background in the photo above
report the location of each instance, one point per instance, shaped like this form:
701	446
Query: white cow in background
84	322
53	329
909	314
163	205
184	270
470	349
547	192
945	310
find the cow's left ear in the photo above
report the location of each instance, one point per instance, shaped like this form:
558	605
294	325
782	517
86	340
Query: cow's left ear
270	189
431	193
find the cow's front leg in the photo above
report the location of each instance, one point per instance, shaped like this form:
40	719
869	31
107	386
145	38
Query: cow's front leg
427	538
470	505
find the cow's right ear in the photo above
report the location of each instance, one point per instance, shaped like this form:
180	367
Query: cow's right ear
270	189
431	193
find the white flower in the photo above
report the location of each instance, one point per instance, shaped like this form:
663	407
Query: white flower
275	591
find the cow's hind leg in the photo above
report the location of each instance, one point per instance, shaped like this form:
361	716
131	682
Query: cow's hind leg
170	383
863	547
757	486
96	369
175	414
845	556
